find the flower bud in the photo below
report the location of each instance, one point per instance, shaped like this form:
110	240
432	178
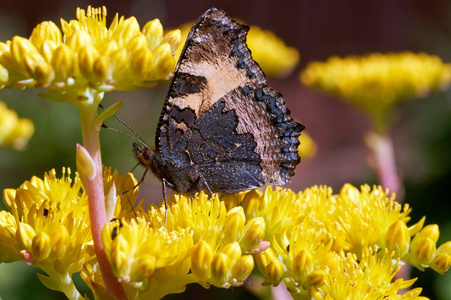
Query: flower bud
85	163
254	234
86	58
220	268
46	31
164	67
349	191
47	49
430	231
25	234
161	51
63	62
234	224
41	246
4	75
153	31
232	251
9	196
274	272
78	40
131	29
316	279
445	248
141	63
60	240
302	264
108	48
43	74
398	239
4	48
173	38
251	204
201	259
119	58
270	266
143	267
119	258
424	251
441	263
243	268
136	43
101	68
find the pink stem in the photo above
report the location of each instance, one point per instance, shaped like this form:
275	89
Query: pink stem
381	147
96	198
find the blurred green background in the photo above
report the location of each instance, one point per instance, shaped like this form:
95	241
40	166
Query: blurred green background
318	29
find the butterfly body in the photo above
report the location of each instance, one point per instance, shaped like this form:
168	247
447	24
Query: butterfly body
222	129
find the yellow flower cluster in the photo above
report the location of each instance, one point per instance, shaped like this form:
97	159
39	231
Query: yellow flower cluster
305	240
274	57
370	277
376	81
47	226
321	245
87	53
14	131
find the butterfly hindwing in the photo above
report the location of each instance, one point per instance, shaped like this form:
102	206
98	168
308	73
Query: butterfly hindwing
222	128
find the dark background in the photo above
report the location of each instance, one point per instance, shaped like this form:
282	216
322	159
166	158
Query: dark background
318	29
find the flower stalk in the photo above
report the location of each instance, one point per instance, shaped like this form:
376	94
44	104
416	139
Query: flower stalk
383	161
94	185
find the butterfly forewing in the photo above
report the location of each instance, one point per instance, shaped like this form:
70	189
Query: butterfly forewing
222	128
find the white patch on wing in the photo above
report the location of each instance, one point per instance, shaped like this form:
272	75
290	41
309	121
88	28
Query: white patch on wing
222	77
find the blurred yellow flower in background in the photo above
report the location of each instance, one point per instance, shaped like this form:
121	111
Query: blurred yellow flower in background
307	147
375	82
14	131
272	54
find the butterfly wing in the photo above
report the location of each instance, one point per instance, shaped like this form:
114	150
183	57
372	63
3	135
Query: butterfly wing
221	125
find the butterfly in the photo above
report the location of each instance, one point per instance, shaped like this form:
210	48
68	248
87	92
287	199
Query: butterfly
222	129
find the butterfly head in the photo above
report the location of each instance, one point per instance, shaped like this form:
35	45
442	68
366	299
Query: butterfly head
144	154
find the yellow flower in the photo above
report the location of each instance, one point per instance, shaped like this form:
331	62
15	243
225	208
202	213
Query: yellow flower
321	245
48	226
376	81
364	217
88	53
14	131
274	57
136	250
302	250
308	148
367	278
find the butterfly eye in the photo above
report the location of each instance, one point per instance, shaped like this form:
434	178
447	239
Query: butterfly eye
146	155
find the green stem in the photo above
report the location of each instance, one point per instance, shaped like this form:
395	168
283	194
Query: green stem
64	283
94	186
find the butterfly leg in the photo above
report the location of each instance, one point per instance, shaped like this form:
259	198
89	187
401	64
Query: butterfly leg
165	197
141	180
206	185
134	187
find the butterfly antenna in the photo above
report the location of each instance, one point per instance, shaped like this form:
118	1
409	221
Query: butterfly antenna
125	134
141	140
